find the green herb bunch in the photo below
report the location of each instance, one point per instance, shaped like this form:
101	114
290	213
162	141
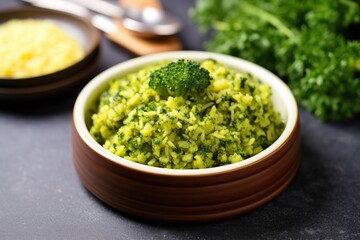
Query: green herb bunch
313	45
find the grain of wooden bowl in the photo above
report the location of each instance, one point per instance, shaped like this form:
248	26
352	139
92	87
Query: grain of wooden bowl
194	195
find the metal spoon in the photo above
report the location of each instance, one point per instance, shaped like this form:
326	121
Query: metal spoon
147	22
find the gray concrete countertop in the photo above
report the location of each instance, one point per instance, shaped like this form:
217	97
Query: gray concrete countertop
41	197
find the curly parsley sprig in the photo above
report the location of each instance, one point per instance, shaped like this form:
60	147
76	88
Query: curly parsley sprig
311	45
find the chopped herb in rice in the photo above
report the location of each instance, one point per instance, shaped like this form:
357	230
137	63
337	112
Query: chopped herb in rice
231	120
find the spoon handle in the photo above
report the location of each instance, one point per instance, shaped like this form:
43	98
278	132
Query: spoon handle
104	7
140	4
143	46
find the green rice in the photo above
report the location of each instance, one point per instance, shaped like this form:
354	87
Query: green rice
232	120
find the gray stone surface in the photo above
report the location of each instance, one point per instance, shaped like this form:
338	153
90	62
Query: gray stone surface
41	196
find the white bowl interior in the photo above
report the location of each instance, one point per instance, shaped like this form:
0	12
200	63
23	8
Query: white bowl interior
283	100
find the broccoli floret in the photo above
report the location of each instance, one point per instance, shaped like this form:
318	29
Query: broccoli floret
180	78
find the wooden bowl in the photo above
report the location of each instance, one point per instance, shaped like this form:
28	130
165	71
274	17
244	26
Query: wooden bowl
82	30
186	195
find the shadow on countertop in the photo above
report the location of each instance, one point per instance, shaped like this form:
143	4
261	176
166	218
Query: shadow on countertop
38	107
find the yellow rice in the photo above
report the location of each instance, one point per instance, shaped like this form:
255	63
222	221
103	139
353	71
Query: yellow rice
32	47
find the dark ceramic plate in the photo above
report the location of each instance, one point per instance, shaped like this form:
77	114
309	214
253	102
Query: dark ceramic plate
53	88
82	30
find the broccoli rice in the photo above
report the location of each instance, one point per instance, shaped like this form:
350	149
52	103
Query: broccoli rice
230	121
